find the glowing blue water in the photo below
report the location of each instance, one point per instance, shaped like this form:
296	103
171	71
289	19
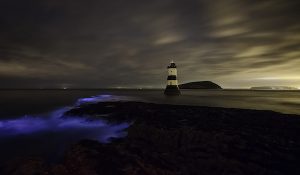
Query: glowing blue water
54	122
54	129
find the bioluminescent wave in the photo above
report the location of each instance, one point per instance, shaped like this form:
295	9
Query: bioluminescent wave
53	131
55	122
103	98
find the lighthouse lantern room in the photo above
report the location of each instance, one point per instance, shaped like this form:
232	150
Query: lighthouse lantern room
172	82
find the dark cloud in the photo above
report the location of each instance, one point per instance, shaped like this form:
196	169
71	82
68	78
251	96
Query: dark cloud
119	43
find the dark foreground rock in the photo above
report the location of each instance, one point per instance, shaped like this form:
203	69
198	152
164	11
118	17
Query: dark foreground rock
179	140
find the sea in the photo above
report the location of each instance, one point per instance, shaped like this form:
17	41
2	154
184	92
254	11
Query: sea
32	122
16	103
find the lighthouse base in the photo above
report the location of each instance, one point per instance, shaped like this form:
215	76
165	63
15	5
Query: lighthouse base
172	90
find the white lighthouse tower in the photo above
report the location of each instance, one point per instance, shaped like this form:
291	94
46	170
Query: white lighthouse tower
172	82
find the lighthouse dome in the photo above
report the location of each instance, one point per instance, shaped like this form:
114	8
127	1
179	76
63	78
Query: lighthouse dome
172	65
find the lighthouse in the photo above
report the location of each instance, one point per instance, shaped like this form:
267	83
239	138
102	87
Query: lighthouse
172	82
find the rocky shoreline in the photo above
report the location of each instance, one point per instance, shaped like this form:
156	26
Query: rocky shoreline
183	140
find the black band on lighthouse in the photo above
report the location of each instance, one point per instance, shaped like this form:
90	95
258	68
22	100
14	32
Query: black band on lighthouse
172	77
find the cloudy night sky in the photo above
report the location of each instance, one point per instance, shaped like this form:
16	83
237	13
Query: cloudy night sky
129	43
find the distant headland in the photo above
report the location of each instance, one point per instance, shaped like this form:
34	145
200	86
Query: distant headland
273	88
200	85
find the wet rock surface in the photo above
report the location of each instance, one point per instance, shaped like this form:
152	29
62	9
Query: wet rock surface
171	139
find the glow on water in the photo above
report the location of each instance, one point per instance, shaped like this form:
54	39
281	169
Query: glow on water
55	122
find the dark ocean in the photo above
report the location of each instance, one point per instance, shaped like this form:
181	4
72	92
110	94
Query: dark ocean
16	103
31	122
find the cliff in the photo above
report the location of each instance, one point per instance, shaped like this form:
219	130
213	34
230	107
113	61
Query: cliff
200	85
